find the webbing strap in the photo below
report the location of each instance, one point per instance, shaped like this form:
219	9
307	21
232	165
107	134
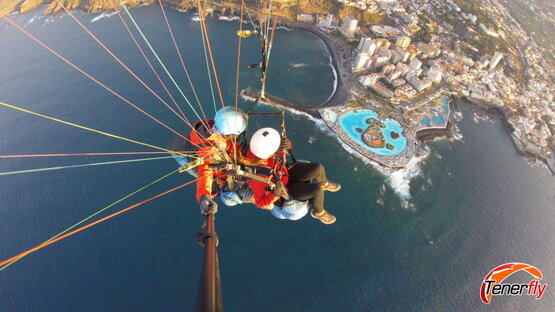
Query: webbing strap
191	165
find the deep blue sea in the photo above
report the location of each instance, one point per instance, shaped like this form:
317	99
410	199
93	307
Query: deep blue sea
472	204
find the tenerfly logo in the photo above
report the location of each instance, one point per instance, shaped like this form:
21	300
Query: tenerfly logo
493	284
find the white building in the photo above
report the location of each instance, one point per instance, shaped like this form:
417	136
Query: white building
307	18
495	60
361	62
403	54
395	74
402	42
483	62
435	73
467	61
419	85
368	80
326	22
349	27
415	64
387	69
403	68
379	61
366	45
363	39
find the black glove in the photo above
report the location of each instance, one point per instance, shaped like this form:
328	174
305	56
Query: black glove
207	205
285	144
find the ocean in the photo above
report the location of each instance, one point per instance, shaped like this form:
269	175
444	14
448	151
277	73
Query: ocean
447	220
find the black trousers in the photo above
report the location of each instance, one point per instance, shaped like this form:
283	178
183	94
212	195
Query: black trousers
300	185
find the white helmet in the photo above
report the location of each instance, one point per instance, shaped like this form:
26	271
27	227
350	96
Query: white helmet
265	142
230	121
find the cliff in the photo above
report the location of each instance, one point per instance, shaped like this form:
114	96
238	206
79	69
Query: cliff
283	8
90	6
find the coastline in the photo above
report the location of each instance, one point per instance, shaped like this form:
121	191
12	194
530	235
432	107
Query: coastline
341	94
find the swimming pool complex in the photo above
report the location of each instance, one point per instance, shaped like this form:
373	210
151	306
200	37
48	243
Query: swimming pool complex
353	122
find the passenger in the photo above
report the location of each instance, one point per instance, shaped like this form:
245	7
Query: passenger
220	147
264	151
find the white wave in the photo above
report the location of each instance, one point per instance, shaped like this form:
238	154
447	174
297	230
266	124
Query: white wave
333	70
400	181
299	65
144	4
284	28
335	80
227	18
34	19
457	134
49	20
330	63
102	15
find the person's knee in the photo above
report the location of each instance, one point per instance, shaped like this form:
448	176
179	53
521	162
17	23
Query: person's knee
319	190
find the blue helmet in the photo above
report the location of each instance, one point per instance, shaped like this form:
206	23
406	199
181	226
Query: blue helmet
230	121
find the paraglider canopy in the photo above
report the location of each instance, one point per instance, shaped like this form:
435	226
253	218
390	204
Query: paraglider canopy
245	33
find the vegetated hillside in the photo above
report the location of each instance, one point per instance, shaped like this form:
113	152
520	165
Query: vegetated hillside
90	6
284	8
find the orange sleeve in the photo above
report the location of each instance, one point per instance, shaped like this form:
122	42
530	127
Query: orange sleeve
205	174
262	198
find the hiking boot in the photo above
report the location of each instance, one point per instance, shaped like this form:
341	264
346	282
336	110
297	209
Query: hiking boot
331	187
325	217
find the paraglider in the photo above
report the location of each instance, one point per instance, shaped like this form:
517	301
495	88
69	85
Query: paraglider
246	33
216	152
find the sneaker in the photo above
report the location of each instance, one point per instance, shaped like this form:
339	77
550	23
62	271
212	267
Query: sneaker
326	217
331	187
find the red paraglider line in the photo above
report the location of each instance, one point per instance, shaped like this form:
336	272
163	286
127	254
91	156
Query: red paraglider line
59	238
91	154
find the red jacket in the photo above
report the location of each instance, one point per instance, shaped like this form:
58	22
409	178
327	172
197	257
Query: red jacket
212	147
221	152
263	197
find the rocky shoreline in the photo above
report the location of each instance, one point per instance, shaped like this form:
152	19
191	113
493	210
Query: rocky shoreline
335	48
97	6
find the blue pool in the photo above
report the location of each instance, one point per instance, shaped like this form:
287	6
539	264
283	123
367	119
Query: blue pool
438	119
353	121
445	101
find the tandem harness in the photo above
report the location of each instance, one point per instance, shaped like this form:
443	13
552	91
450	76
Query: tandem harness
234	172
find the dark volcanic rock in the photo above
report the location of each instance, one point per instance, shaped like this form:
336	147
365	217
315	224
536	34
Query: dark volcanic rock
394	135
373	137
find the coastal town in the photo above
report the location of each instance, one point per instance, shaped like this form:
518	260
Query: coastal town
402	61
431	47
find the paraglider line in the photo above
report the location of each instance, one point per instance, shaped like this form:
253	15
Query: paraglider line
82	165
118	60
88	129
97	213
92	78
181	58
59	238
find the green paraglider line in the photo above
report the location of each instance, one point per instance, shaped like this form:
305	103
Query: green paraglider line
83	165
158	58
97	213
